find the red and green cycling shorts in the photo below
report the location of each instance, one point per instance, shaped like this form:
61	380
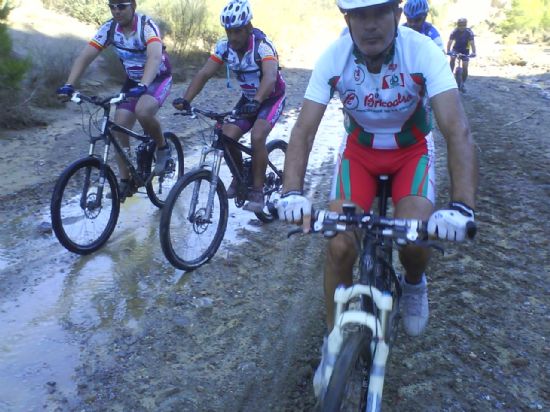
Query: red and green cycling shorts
358	167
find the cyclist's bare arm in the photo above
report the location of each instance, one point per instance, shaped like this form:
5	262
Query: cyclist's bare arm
300	143
461	155
154	58
473	44
199	80
83	60
449	44
269	78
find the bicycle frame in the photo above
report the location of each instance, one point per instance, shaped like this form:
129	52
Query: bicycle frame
106	135
379	322
219	148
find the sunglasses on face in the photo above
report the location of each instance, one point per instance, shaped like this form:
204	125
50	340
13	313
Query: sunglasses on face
416	20
119	6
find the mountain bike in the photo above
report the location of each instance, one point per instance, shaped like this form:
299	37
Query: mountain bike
86	199
194	219
460	58
367	313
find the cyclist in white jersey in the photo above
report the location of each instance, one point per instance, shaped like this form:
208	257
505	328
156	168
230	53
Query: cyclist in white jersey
252	57
138	44
384	75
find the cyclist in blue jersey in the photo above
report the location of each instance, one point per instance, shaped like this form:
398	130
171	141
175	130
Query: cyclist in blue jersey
249	53
460	41
416	12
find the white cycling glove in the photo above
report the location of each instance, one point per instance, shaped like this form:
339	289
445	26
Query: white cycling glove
452	223
292	207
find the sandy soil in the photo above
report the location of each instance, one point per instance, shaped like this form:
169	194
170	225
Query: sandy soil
244	331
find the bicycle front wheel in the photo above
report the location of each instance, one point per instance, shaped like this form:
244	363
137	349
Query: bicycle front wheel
276	152
192	226
347	388
81	220
159	187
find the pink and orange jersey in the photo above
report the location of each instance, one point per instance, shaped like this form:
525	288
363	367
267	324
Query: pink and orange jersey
131	49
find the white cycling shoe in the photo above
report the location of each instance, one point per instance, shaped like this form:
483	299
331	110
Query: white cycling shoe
414	302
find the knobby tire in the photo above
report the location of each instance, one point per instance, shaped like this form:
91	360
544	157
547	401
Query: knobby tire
345	391
84	230
188	244
158	190
273	147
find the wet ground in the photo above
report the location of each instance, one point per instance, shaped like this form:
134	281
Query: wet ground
123	330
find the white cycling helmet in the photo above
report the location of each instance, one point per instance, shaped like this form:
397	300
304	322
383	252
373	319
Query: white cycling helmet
236	13
358	4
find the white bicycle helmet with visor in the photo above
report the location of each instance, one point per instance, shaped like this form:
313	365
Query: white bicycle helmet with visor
346	5
416	8
235	14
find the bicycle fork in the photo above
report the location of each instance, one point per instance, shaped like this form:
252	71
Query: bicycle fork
378	326
215	170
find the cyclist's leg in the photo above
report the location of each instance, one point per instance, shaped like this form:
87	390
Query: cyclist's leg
353	182
149	104
269	113
413	193
453	60
341	253
125	118
235	132
465	64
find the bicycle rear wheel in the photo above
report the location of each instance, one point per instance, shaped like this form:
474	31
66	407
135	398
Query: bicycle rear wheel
188	236
81	221
276	152
347	388
159	187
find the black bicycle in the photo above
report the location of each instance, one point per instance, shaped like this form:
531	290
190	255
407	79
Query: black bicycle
460	58
367	313
194	220
86	199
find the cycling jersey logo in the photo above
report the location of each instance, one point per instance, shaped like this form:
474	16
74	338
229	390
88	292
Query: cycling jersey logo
392	66
351	101
358	75
393	80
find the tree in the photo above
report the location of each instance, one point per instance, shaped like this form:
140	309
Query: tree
527	17
12	69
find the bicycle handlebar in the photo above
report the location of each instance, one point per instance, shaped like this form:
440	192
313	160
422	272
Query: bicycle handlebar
217	116
401	230
460	55
78	98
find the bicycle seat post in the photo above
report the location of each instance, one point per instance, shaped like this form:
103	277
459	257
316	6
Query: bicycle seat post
384	193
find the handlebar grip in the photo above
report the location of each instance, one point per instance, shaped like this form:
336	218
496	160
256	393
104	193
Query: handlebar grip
471	229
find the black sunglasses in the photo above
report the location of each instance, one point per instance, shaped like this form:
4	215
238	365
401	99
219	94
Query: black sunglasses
119	6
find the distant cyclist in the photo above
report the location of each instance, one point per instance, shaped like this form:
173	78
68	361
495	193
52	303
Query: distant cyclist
252	57
138	44
416	12
460	41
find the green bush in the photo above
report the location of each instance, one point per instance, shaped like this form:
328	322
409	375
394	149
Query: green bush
12	72
88	11
186	24
528	19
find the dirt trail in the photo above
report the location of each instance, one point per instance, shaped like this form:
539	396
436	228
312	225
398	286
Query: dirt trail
243	332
